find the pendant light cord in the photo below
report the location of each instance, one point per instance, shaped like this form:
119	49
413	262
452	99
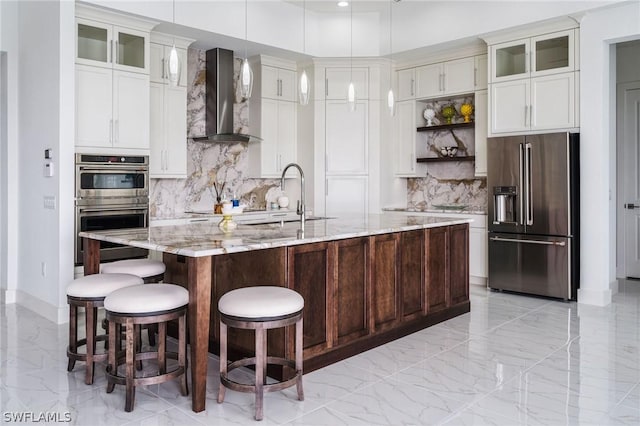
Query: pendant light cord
351	41
246	41
304	26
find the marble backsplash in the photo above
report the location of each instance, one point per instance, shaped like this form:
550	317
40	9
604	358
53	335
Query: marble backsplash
447	183
209	163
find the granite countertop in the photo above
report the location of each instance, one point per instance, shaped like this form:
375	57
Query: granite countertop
205	239
434	209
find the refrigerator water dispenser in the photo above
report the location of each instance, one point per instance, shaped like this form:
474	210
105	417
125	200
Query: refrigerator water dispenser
504	204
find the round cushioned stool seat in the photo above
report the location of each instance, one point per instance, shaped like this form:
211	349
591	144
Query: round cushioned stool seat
147	298
260	302
100	285
140	267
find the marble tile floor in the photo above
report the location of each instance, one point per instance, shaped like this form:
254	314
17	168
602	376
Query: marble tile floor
513	360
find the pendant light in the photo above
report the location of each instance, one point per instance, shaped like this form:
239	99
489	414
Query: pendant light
391	102
174	60
351	91
305	87
246	75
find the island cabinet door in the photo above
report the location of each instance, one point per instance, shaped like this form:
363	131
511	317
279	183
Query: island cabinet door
458	264
385	289
310	273
351	291
412	288
437	268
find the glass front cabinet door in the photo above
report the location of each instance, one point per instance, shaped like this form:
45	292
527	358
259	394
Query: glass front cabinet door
105	45
510	60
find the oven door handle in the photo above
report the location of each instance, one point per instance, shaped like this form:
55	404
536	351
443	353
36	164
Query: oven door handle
110	209
106	169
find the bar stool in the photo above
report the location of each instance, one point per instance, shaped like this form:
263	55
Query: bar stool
146	304
89	293
260	308
151	271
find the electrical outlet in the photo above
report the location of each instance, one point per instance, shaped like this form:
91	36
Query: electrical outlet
50	202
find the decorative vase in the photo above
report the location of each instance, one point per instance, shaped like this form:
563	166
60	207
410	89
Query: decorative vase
227	224
448	112
428	115
466	110
217	207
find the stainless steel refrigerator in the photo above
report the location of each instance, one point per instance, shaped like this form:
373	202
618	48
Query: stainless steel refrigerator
532	184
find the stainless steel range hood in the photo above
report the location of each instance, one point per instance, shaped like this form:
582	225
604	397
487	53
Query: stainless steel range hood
219	100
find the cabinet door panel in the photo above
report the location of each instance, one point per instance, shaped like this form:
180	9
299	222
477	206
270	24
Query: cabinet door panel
552	53
347	195
157	65
131	110
93	106
405	122
385	290
310	267
269	143
429	81
510	60
553	101
437	273
458	269
459	76
176	131
406	84
156	130
509	106
351	292
478	252
482	71
481	103
269	82
93	43
131	50
287	84
347	138
338	79
286	134
412	287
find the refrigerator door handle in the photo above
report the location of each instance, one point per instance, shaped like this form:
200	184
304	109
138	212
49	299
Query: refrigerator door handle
544	243
521	195
528	183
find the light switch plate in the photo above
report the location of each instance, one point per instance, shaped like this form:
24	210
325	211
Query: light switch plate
50	202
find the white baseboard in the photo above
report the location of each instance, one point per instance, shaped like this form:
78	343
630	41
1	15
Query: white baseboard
481	281
58	315
8	297
594	297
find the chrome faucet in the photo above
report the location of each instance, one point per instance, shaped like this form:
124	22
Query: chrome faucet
300	206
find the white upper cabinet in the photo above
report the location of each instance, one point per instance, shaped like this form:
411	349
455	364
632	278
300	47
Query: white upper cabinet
347	138
448	78
273	112
429	81
159	70
481	72
535	56
459	76
337	81
510	106
406	84
112	46
481	105
278	83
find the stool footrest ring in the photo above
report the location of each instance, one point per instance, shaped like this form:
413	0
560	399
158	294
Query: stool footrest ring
273	360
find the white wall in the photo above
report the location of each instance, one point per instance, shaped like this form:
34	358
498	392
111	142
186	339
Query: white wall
46	93
598	31
9	152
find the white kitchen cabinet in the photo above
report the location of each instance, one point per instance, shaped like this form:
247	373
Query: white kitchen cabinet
337	81
405	139
273	112
478	253
459	76
347	139
278	83
347	195
168	146
104	44
541	103
544	54
429	81
481	105
159	69
406	84
112	109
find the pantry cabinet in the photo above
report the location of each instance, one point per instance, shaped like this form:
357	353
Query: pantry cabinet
273	112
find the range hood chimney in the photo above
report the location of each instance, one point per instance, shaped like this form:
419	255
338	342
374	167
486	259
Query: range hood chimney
219	100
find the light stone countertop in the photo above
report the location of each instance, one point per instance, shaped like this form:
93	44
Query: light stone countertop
454	212
205	239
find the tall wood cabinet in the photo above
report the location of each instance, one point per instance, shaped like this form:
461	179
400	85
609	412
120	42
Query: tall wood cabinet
112	82
168	113
273	110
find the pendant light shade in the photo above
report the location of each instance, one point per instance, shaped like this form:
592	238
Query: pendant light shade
246	75
305	85
351	90
174	66
246	79
304	88
351	97
391	102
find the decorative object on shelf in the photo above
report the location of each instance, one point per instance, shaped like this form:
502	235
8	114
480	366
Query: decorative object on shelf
246	75
448	112
448	151
428	115
227	224
466	110
219	188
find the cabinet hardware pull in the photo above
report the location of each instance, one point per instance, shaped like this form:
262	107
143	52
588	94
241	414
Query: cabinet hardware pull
526	110
111	131
544	243
117	132
326	87
413	84
163	65
475	77
326	187
198	220
115	61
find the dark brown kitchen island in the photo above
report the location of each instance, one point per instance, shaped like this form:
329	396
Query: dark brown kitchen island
365	281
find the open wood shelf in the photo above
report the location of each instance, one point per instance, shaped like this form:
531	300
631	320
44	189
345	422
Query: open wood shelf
442	159
446	127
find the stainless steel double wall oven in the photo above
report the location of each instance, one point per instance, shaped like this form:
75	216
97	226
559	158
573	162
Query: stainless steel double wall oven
112	192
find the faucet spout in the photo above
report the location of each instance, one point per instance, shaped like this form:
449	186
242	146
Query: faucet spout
301	206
